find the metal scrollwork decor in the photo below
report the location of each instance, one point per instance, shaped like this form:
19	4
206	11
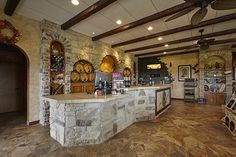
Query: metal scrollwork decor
8	33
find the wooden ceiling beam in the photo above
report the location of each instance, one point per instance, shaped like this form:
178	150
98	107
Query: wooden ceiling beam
144	20
10	7
86	13
179	29
218	42
215	34
177	53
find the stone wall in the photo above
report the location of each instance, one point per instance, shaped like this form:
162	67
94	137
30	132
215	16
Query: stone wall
35	41
77	47
75	124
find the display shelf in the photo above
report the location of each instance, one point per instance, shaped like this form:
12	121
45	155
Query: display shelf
215	80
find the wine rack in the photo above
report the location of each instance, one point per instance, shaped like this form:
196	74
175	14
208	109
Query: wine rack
57	60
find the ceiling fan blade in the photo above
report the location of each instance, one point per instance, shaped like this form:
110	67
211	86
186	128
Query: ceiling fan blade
210	41
223	4
198	16
191	1
179	14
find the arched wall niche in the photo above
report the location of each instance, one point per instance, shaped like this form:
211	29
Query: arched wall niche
109	64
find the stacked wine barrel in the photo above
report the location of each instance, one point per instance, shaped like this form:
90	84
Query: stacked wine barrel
127	72
83	72
82	77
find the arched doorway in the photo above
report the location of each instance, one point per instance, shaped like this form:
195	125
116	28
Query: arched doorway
13	83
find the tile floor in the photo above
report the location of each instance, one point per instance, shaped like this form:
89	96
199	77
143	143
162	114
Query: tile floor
185	130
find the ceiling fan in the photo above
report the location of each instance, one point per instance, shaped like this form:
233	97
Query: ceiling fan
204	43
203	4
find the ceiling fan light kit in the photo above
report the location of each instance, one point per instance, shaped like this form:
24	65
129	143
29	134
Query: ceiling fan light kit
203	43
202	12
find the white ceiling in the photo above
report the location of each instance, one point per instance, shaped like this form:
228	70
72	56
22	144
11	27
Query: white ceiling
59	11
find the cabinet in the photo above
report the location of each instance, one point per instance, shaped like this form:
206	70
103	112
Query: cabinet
215	98
189	93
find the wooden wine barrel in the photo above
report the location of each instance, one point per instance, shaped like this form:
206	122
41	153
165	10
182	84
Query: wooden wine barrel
91	77
127	72
84	77
75	76
88	68
79	67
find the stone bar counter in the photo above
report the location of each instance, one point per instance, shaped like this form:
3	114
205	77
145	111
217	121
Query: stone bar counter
80	119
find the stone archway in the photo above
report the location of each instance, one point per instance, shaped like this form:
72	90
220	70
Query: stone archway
15	68
48	36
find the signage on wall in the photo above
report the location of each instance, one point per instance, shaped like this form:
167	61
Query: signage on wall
154	66
8	33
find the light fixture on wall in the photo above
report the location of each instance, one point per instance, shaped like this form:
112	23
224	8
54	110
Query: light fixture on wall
75	2
166	45
164	52
93	33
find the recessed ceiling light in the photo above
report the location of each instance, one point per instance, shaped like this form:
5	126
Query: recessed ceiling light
166	45
150	28
159	38
118	22
93	33
164	53
75	2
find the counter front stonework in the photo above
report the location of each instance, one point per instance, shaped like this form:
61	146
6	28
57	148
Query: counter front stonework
79	119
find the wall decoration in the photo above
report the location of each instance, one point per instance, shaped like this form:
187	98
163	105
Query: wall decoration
196	68
82	77
109	64
8	33
184	71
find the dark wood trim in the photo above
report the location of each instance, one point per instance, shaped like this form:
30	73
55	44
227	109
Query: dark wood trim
86	13
159	90
179	29
217	42
144	20
180	53
215	34
33	123
167	50
177	98
10	7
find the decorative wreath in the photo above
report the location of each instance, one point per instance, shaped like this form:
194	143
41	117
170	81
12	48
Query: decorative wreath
4	24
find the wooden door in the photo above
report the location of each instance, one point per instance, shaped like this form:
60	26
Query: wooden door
10	87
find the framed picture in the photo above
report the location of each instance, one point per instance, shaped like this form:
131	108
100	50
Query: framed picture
184	71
